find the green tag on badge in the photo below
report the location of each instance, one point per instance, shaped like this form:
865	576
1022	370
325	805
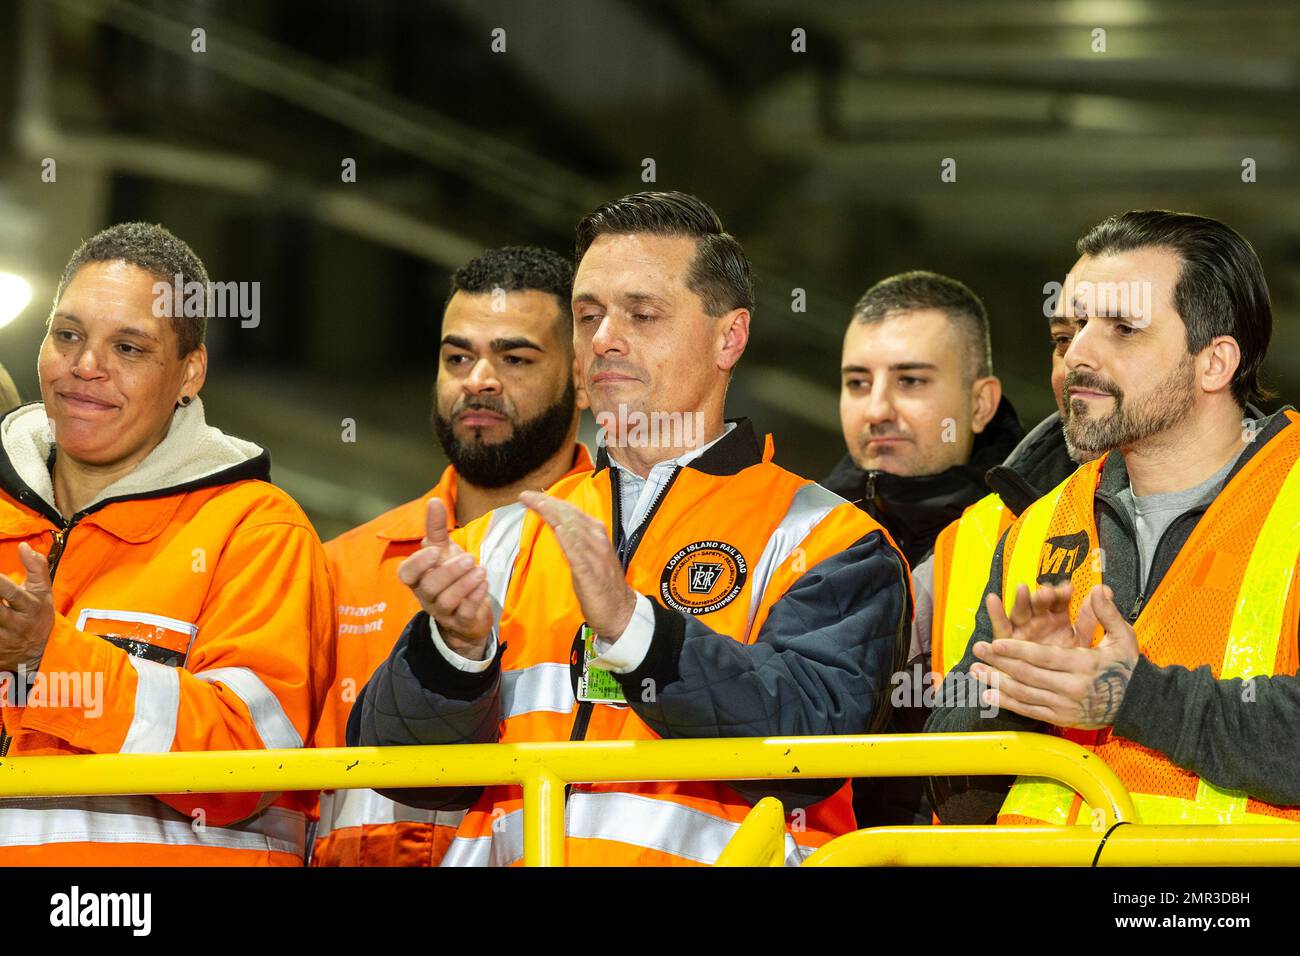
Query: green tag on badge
596	685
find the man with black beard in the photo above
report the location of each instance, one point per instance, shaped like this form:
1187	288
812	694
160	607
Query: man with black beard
506	414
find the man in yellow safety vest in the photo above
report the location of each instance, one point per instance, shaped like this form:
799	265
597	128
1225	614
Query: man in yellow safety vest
1161	632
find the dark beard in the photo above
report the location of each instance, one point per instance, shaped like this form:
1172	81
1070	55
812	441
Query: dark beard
530	445
1159	410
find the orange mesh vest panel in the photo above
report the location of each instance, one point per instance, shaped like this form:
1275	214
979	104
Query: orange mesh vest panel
755	532
1227	602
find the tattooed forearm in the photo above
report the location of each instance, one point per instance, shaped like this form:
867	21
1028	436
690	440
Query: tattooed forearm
1099	707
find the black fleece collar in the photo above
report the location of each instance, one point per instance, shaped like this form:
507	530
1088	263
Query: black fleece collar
1038	464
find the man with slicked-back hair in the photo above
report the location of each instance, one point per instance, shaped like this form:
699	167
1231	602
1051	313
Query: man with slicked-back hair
687	588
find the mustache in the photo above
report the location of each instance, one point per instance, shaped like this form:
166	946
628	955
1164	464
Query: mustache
488	403
1090	381
483	403
613	365
885	431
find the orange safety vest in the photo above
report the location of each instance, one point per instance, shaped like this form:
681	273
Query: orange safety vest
1227	601
963	553
758	530
191	619
361	827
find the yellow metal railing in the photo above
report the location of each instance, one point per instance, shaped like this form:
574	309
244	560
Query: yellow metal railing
760	841
543	769
1131	844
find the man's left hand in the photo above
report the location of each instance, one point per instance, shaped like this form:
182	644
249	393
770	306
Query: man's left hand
603	593
1080	686
26	612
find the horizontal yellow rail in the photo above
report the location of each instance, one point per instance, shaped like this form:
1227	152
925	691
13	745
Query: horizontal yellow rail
542	769
1127	845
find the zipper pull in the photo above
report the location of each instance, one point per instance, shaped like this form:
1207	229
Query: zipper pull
56	549
1137	609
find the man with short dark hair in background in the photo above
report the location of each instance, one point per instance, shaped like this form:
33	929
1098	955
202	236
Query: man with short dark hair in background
923	415
924	418
506	413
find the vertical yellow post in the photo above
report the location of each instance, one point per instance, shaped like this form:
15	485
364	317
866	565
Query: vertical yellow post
543	819
760	841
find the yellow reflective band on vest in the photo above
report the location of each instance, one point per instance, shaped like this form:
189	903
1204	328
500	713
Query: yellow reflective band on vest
1034	797
1042	799
972	554
1025	560
1257	619
1251	651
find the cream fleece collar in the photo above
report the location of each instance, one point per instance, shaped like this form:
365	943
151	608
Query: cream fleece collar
190	451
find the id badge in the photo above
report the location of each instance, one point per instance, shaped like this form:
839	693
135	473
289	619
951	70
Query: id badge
152	637
595	684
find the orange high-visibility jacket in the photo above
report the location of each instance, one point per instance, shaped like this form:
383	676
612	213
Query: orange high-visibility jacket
1229	601
193	612
361	827
779	608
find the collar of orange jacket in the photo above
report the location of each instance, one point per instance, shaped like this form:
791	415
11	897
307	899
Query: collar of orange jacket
191	455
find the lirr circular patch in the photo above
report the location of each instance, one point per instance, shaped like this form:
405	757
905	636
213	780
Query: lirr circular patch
703	577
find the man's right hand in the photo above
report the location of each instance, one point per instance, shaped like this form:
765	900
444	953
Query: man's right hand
450	586
1041	618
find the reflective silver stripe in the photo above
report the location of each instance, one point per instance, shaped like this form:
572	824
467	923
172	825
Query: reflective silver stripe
796	853
540	687
340	809
498	552
808	507
503	847
468	851
630	818
647	822
157	705
142	819
273	724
